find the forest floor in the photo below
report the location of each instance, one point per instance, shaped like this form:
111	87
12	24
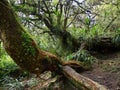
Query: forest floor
106	70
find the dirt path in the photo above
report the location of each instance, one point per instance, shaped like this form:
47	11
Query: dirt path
106	70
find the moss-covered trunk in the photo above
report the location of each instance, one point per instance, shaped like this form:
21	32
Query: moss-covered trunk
20	46
25	52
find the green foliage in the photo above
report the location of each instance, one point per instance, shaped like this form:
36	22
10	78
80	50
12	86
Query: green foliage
2	51
6	65
55	2
28	44
24	8
87	21
10	83
90	36
82	56
116	38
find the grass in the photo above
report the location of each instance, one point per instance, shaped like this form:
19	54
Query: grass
6	65
9	82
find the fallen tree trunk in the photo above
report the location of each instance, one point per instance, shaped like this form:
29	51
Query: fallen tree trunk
25	52
102	44
81	82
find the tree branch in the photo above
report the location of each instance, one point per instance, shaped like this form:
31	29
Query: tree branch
110	23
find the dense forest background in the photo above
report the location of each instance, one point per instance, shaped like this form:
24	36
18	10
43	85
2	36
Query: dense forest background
80	30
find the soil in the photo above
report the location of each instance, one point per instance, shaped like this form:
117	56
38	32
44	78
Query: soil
106	70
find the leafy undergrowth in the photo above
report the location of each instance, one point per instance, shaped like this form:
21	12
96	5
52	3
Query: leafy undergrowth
13	78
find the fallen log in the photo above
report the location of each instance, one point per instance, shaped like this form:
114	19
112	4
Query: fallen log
81	82
102	44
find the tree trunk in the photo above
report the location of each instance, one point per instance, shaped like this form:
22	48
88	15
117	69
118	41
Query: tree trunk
25	52
20	45
81	82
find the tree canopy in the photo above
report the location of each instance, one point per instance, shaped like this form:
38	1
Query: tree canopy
65	22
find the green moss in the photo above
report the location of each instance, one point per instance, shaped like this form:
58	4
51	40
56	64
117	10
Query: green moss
28	44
